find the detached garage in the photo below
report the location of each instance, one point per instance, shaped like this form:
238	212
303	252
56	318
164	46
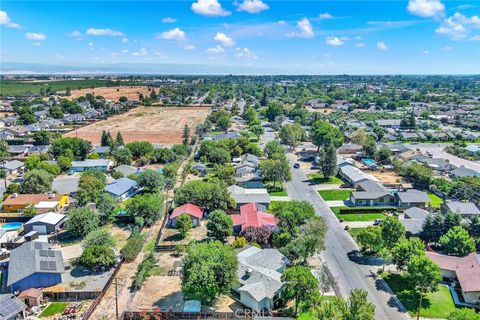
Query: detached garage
45	223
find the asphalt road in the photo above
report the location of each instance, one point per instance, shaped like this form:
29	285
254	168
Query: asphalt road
339	246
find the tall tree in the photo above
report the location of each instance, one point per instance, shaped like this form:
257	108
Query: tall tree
359	308
300	285
424	276
219	226
359	136
186	135
328	161
119	139
323	132
392	231
457	241
405	249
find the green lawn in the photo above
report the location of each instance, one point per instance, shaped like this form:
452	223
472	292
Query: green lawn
435	305
317	178
53	309
354	232
436	201
349	217
282	193
14	87
329	195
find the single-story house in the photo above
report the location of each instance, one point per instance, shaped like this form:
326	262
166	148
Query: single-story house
259	277
466	209
412	198
243	196
463	270
102	150
349	148
371	193
127	170
252	216
34	265
11	307
43	202
45	223
389	123
92	164
18	150
194	211
13	167
463	171
38	149
200	168
413	219
122	188
352	175
223	136
31	297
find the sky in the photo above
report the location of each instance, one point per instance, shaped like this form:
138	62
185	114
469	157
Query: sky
244	36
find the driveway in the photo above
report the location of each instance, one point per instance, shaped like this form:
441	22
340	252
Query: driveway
335	203
66	184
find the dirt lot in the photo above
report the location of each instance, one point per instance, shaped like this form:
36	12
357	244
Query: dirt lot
159	125
172	236
386	177
112	93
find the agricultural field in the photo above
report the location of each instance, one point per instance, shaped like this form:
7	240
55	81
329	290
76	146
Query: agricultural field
112	93
16	87
159	125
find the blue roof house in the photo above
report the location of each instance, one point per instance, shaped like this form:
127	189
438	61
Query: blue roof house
34	265
122	188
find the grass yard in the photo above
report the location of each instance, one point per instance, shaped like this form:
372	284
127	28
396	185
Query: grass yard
349	217
317	178
281	193
329	195
436	200
435	305
15	87
354	232
53	309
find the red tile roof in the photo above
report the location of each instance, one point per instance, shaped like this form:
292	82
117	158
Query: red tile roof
467	269
188	208
250	216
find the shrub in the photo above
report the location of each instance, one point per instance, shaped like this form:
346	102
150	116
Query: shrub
133	246
97	256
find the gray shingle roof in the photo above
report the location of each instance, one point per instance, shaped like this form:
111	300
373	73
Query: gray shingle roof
127	170
464	208
120	186
28	258
242	195
413	196
415	213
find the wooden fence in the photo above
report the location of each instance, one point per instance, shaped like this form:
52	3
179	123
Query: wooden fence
158	314
70	296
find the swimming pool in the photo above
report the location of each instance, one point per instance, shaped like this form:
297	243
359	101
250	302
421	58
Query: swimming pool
12	225
369	162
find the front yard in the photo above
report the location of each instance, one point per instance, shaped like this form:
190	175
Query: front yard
318	178
53	309
362	215
329	195
436	200
435	305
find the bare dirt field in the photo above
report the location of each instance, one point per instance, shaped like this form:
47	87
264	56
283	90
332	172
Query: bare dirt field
387	177
112	93
159	125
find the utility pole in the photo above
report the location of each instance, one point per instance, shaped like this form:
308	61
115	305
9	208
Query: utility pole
116	298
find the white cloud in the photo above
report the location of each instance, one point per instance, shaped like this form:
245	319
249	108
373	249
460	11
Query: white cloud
426	52
35	36
216	50
209	8
90	44
253	6
475	38
426	8
125	40
36	44
446	49
325	16
169	20
245	53
305	29
173	34
334	41
281	22
189	47
104	32
74	34
124	51
141	52
224	39
382	46
6	21
360	45
458	26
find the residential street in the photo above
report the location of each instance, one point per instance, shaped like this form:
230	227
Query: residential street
348	274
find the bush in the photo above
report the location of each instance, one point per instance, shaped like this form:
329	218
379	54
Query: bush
97	238
239	242
97	256
81	221
133	246
183	224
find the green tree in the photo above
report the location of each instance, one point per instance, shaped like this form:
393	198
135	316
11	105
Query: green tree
37	181
273	110
275	170
97	256
183	224
186	135
405	249
323	132
41	138
219	225
392	231
384	154
148	206
359	308
309	241
225	174
300	285
224	122
370	147
90	187
257	130
119	139
81	221
140	148
98	237
151	180
457	241
106	206
209	269
291	135
274	150
64	163
359	136
209	196
30	211
122	156
370	238
328	160
424	276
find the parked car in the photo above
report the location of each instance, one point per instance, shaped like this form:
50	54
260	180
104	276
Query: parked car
296	165
377	222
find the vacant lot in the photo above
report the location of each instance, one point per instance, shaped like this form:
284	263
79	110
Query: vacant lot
159	125
112	93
